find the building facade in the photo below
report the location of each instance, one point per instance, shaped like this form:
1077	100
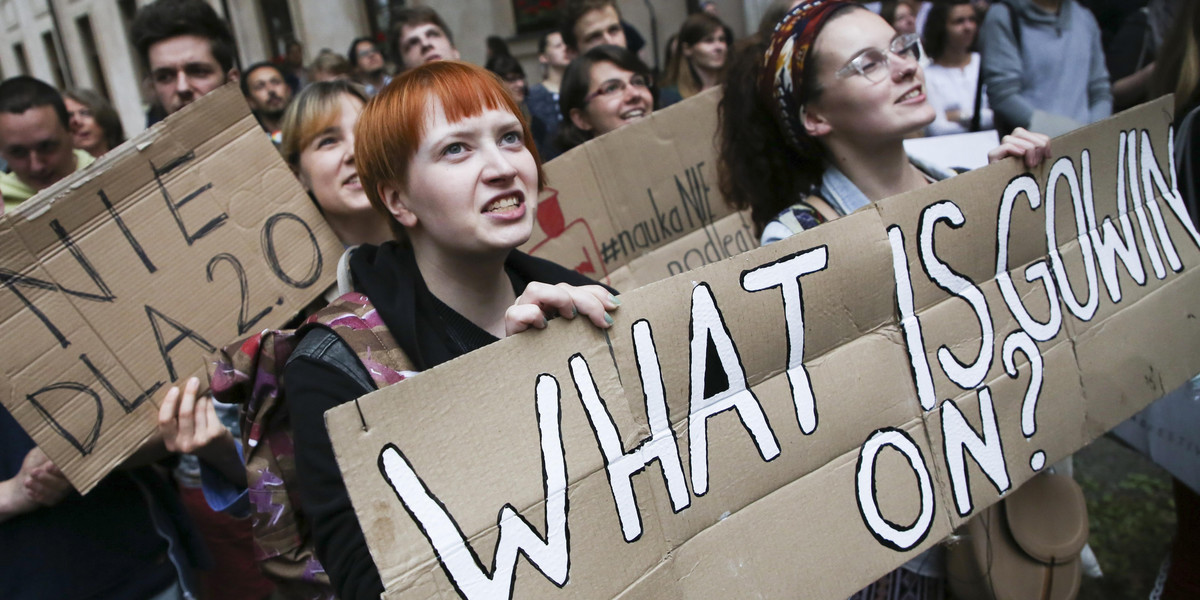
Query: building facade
85	43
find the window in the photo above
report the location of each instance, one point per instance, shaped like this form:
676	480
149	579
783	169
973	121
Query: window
88	37
533	16
52	55
22	60
279	26
379	19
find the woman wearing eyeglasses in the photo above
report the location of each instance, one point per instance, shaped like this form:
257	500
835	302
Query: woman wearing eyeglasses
813	119
604	89
812	128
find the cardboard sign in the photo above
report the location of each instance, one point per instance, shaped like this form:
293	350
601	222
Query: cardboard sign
873	383
641	203
121	278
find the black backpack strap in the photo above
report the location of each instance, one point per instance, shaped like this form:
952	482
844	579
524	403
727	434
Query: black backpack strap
322	344
975	117
1015	22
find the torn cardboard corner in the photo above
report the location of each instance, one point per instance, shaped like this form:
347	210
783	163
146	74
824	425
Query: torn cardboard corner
837	402
123	277
640	192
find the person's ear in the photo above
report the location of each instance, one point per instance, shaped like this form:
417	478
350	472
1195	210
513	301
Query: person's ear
396	201
233	75
580	121
814	122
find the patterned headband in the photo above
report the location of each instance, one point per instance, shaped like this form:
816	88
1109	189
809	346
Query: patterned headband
784	62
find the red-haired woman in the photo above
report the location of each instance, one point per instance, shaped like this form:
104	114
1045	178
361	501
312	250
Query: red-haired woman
444	154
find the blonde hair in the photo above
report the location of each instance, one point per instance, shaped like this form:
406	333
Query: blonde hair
315	109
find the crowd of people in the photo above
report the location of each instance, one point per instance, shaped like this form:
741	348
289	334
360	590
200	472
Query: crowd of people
431	168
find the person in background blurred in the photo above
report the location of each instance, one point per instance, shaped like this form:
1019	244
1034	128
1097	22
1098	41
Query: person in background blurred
421	36
95	126
318	144
604	89
268	95
293	66
187	49
369	68
330	66
703	51
542	99
1043	65
900	14
495	46
509	70
35	139
952	81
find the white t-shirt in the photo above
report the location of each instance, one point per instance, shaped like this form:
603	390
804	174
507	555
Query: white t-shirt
950	88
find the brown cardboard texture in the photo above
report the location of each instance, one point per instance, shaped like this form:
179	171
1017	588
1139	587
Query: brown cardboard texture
797	419
121	278
639	192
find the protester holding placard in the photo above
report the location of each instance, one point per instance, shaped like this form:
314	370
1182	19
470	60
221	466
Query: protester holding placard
833	94
605	89
445	156
834	110
318	144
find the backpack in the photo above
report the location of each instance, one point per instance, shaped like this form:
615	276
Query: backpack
250	373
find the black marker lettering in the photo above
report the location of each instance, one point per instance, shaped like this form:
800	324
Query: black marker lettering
268	246
164	346
174	206
245	322
12	279
126	404
133	243
88	443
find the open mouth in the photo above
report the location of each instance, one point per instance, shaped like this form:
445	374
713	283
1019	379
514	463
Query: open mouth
353	182
506	203
912	94
631	115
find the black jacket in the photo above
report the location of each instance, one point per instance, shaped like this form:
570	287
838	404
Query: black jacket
430	333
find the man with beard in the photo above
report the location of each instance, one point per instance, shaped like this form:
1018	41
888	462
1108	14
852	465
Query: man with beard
268	95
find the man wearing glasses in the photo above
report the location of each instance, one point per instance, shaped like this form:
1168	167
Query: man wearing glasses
369	69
